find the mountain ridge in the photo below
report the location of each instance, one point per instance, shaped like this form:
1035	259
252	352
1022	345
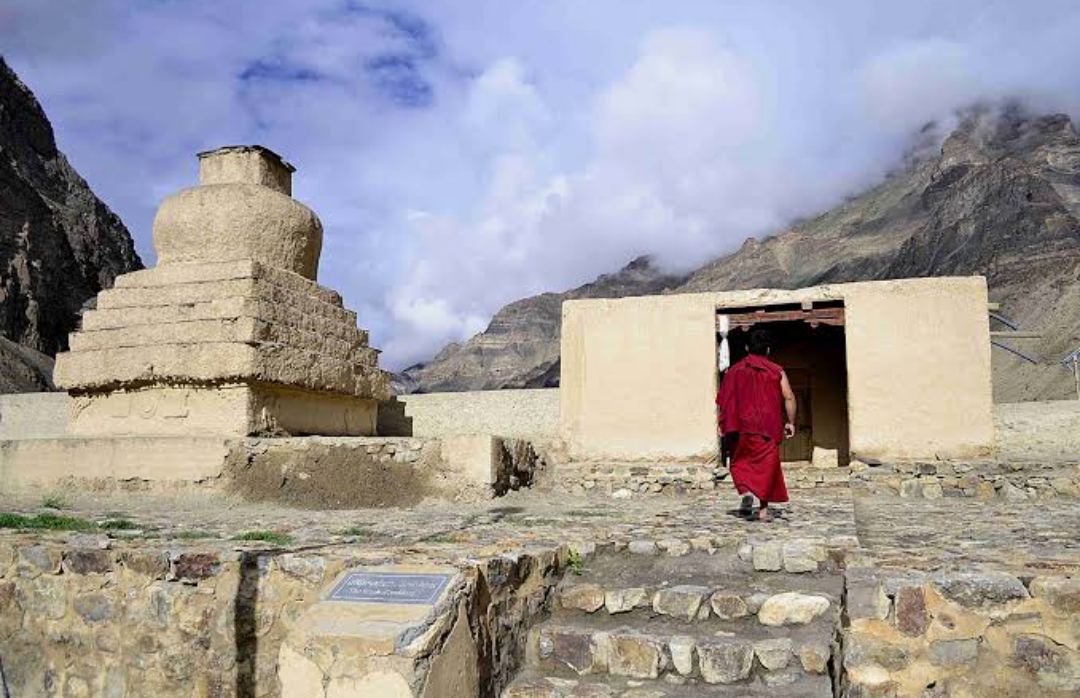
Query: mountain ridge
999	197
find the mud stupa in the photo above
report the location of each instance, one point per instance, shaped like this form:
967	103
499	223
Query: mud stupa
229	334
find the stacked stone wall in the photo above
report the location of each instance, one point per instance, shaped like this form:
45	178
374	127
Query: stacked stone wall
83	619
958	635
983	480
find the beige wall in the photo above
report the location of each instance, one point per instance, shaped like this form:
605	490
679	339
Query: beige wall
919	380
638	374
514	413
34	415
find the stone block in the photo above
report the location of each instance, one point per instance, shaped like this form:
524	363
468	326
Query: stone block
814	656
910	488
636	656
727	605
582	597
1054	666
866	596
802	557
725	661
576	648
37	559
980	589
625	600
683	649
194	567
1061	594
643	547
954	653
825	457
862	653
768	557
682	601
792	608
88	562
774	653
151	564
674	547
912	617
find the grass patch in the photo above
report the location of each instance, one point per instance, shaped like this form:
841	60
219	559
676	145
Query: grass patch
357	531
575	562
535	522
117	525
191	535
49	522
54	501
586	513
266	537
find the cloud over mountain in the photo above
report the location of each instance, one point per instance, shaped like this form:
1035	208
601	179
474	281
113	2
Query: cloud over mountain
464	154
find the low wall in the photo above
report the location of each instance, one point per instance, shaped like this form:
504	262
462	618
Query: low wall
1015	480
34	415
164	618
515	413
915	635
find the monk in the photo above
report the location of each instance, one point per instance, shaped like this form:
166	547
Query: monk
754	399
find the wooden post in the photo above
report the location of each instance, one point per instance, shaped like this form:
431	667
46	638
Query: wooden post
1076	374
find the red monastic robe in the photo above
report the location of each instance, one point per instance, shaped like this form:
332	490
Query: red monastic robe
750	404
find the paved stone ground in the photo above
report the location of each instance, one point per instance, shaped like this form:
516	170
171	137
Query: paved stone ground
908	533
1035	537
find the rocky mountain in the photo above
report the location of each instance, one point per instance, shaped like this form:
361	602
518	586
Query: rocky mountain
999	197
520	347
59	244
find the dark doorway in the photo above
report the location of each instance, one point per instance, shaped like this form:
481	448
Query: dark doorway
808	341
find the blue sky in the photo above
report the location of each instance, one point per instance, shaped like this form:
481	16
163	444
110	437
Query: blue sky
466	153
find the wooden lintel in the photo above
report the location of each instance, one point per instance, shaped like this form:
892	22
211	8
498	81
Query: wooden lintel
814	316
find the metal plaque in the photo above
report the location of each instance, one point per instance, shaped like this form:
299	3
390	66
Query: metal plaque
390	588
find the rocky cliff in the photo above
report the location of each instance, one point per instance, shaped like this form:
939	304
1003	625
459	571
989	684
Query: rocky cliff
999	197
59	244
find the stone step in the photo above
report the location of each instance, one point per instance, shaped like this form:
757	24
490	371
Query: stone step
768	598
624	581
725	652
531	684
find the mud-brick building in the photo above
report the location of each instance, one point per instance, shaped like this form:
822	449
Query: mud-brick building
895	369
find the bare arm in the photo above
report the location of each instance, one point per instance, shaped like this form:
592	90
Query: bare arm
790	405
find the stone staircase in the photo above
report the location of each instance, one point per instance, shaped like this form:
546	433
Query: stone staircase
700	624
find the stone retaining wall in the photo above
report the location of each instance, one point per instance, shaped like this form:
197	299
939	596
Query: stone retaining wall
626	479
957	635
83	619
985	480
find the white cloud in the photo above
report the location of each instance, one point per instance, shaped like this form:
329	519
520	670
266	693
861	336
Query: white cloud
466	153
